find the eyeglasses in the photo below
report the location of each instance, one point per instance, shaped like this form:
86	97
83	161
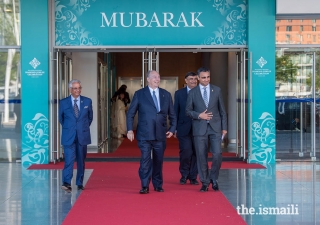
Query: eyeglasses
79	88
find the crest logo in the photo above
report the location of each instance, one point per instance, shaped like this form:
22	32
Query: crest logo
261	62
34	63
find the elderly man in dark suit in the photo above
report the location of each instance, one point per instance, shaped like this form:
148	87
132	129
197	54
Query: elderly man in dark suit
188	161
153	105
75	116
205	106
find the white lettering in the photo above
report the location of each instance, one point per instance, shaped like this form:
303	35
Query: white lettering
141	19
113	18
165	19
154	19
122	20
196	20
182	19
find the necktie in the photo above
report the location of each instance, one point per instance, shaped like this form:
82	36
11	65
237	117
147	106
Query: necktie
155	100
205	96
75	108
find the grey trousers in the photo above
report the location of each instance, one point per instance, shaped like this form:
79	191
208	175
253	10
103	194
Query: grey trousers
211	140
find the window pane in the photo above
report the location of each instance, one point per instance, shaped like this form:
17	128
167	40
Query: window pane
9	22
10	105
297	32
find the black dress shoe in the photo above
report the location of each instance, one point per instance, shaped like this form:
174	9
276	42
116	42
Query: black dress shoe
144	190
194	182
204	188
159	189
215	186
66	187
80	187
183	180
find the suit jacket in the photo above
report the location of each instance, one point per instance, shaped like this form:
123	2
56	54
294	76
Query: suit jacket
152	125
184	122
72	125
195	106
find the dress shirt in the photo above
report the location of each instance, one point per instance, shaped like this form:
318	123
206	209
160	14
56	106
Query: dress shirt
78	102
157	95
208	91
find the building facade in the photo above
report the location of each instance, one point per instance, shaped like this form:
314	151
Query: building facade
109	43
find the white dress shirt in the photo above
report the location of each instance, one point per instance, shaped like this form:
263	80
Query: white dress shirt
157	95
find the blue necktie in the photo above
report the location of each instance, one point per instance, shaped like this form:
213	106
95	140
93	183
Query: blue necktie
155	100
75	108
205	96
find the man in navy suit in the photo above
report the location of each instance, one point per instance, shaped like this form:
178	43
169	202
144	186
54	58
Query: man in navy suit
75	116
188	161
209	123
153	105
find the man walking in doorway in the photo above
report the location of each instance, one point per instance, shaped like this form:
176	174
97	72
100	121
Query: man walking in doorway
154	105
75	116
188	161
205	106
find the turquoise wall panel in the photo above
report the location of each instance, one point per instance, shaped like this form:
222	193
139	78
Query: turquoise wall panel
34	75
144	22
261	43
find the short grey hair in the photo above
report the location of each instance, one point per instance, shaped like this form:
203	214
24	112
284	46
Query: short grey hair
150	71
73	81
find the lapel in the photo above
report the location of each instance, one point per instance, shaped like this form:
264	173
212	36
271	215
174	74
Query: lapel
185	93
147	94
70	105
161	98
199	96
80	105
210	95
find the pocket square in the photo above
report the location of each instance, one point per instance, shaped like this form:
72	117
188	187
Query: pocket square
85	106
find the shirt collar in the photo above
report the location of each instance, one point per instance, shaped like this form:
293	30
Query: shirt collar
72	98
151	90
201	86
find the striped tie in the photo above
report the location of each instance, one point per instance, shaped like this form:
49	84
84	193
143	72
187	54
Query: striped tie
75	108
205	96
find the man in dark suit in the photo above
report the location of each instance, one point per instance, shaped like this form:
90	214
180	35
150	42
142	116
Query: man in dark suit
75	116
153	105
188	161
205	106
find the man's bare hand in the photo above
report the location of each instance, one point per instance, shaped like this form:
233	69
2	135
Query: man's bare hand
205	115
130	135
169	134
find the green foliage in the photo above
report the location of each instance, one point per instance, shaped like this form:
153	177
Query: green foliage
317	83
286	71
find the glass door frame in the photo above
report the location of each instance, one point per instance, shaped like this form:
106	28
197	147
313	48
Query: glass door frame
242	99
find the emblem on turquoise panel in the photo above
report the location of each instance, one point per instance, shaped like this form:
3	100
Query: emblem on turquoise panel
36	145
263	139
34	63
261	62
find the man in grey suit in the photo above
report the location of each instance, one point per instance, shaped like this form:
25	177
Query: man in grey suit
205	106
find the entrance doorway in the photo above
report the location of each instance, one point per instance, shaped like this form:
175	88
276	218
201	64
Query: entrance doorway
102	73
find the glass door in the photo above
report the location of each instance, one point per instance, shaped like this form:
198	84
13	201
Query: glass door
150	61
242	104
297	103
62	73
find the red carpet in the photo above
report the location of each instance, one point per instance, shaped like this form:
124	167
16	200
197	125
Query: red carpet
111	197
225	165
129	149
